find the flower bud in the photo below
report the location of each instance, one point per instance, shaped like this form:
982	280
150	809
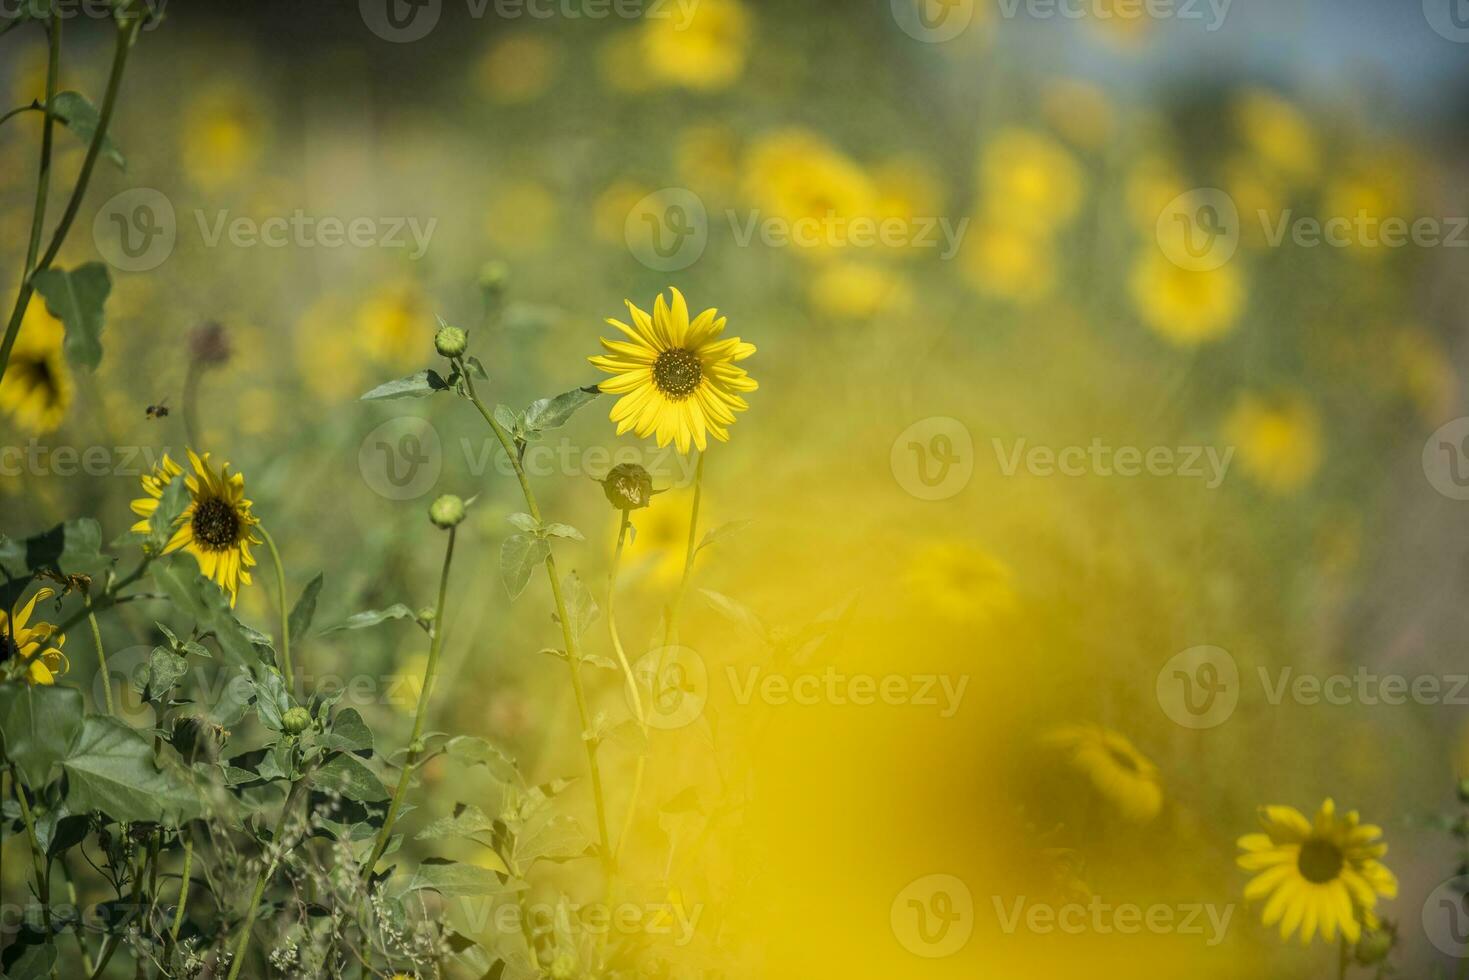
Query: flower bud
446	511
628	486
1375	944
296	720
451	341
1464	791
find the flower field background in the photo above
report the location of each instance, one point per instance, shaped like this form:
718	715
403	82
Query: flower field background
1013	528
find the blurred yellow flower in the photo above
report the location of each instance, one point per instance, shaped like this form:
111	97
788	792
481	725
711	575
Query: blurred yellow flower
1007	263
1278	132
517	69
677	379
328	357
30	644
1122	775
217	526
1366	193
613	205
1152	184
37	389
1184	306
221	137
699	47
797	176
1422	371
521	217
858	289
1029	181
1325	873
394	324
909	191
1278	440
662	534
959	581
1079	111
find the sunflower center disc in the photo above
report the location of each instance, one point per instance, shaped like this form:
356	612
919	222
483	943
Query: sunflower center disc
1320	861
677	372
215	524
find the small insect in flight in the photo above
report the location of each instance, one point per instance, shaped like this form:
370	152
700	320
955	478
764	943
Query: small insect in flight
158	411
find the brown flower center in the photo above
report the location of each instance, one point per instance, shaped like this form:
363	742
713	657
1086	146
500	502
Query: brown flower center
36	373
1320	861
1123	760
216	525
677	373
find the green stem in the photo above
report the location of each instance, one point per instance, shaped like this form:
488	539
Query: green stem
127	32
670	629
242	945
419	716
101	653
573	658
632	684
280	579
71	896
178	915
39	862
33	107
110	597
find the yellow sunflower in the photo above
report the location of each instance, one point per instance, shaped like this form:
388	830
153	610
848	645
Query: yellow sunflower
1323	874
1116	769
216	527
29	644
37	389
676	378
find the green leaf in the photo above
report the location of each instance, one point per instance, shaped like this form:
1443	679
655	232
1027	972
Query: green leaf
476	368
525	522
519	556
31	956
550	837
372	617
80	116
111	769
37	726
417	385
581	608
507	417
722	531
76	299
736	612
347	776
272	700
305	608
562	531
72	547
467	821
452	879
473	750
164	669
552	413
349	732
201	599
161	525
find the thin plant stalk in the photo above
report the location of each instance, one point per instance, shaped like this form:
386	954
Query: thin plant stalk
178	915
420	716
101	653
127	33
280	581
242	945
670	629
573	657
632	684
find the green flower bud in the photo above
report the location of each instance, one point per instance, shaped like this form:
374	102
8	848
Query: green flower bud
1464	791
446	511
1375	944
296	720
493	276
628	486
451	341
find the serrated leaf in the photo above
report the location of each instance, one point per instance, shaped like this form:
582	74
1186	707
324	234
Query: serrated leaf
466	822
552	413
111	769
164	669
305	609
453	879
372	617
417	385
722	531
347	776
349	732
519	556
272	700
81	117
76	298
37	725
